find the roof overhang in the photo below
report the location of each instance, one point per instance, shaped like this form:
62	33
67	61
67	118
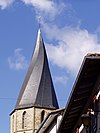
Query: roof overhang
81	98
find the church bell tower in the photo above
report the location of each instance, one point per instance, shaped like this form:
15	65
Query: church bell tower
37	96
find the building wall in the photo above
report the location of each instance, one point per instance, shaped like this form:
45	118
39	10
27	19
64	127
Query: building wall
32	120
51	127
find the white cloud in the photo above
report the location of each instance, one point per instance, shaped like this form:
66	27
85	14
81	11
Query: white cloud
42	7
72	45
61	80
17	61
46	8
40	4
5	3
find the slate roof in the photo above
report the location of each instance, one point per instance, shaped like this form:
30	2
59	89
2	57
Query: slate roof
87	84
37	89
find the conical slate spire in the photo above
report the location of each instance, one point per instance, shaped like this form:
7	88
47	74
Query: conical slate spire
37	89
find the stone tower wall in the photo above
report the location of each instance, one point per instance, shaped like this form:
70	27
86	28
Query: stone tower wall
33	120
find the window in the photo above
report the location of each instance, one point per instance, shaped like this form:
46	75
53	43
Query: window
13	123
42	115
24	120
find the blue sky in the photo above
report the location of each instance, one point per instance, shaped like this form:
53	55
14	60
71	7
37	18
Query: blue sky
70	30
